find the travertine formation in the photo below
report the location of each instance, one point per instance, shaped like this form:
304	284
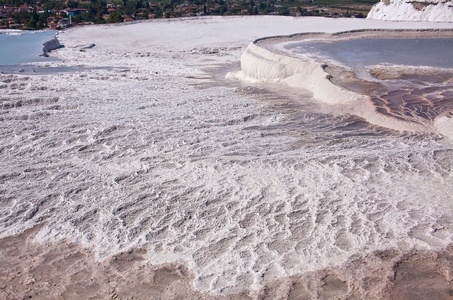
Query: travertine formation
408	10
144	168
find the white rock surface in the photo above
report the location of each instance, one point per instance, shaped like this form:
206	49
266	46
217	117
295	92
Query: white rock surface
406	10
128	152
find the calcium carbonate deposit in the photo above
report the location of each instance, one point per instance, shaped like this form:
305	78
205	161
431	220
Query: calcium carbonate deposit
420	10
145	144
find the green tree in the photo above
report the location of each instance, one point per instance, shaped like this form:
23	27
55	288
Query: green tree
31	24
115	17
72	4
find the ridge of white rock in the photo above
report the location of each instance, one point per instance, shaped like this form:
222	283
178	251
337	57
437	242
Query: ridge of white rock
410	10
259	64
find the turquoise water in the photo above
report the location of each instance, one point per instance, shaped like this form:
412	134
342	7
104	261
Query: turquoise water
24	47
432	52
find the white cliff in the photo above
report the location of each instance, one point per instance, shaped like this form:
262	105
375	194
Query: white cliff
410	10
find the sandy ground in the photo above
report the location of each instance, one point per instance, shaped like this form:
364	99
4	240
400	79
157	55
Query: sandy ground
64	270
94	152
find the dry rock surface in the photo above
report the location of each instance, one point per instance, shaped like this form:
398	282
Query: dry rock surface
132	169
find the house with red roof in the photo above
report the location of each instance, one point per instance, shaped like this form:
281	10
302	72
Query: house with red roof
25	7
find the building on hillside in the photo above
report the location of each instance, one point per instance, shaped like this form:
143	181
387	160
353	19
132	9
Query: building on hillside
25	7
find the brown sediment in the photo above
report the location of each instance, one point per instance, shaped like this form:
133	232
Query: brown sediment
404	103
390	274
398	72
346	78
425	102
64	270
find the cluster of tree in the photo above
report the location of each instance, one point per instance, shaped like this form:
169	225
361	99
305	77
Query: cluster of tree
99	11
31	20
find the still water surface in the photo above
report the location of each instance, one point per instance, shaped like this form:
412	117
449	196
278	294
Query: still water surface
18	47
432	52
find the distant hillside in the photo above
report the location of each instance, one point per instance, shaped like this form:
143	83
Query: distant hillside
410	10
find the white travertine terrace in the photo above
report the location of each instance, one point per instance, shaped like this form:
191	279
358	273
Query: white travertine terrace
407	10
263	65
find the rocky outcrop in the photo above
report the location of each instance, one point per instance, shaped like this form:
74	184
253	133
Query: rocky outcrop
49	46
410	10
